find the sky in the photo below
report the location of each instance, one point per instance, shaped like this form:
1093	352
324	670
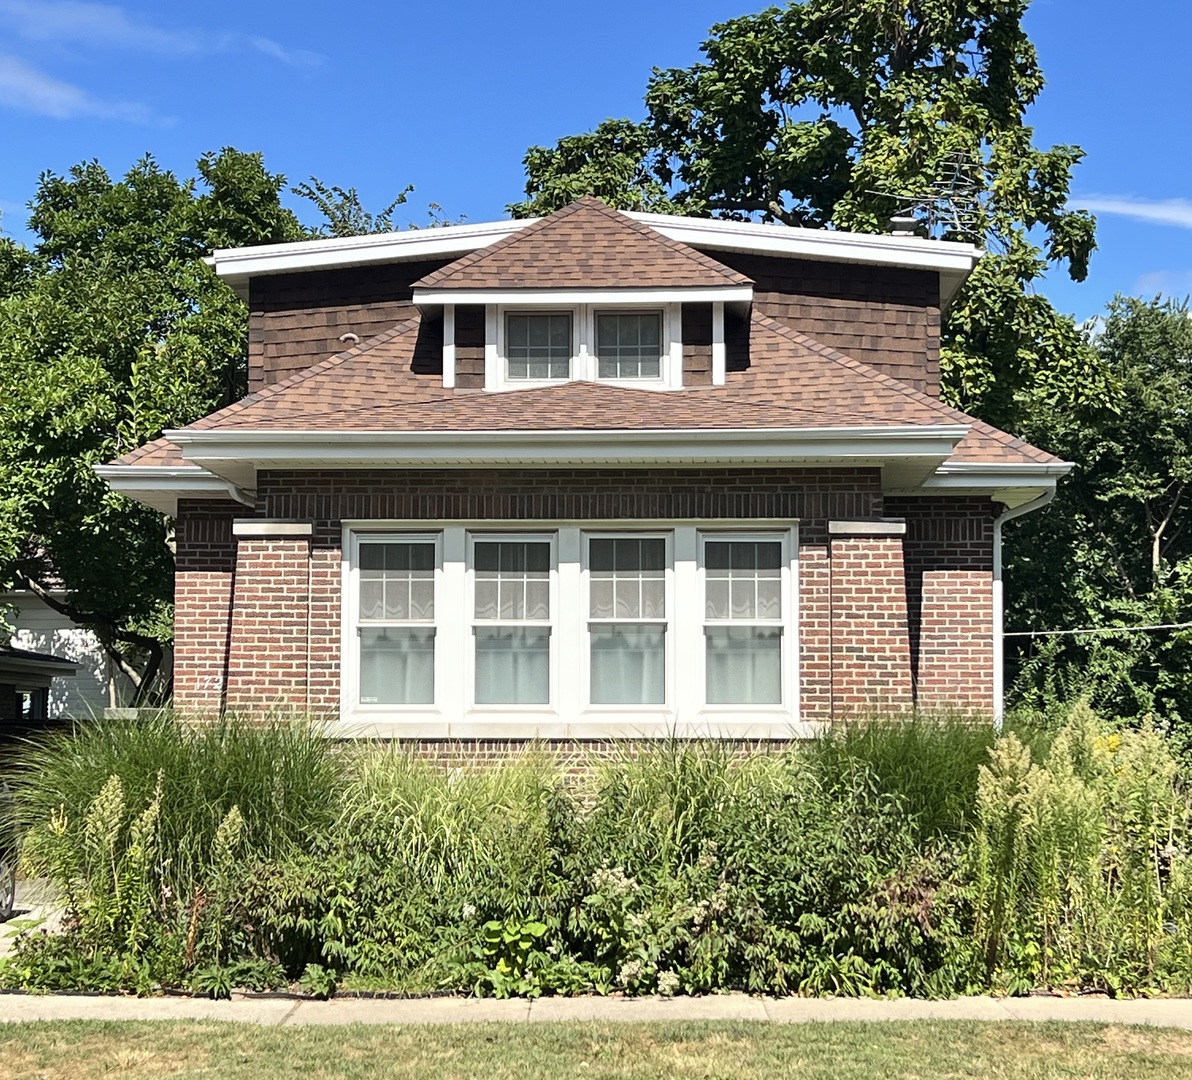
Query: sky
447	96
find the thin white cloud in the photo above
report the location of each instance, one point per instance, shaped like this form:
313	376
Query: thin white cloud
1177	212
25	88
1167	282
104	25
293	57
71	22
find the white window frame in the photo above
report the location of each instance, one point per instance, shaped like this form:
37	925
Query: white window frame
483	536
584	364
570	715
668	599
787	624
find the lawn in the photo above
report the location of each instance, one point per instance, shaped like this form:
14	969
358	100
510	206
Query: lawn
78	1050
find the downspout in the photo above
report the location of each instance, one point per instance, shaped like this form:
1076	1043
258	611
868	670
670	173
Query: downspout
999	605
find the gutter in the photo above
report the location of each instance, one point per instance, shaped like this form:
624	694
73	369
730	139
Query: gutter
999	604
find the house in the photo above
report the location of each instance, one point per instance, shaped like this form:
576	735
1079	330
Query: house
25	681
96	683
598	474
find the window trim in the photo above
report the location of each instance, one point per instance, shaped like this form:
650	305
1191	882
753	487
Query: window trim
584	365
569	715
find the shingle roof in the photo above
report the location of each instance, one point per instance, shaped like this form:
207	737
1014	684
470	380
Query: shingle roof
159	452
584	245
793	381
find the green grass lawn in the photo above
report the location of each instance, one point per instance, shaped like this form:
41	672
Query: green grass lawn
938	1050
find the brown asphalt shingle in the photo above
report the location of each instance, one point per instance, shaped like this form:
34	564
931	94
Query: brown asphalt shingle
584	245
792	382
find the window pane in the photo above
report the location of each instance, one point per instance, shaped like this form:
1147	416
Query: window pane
628	665
512	665
512	579
397	581
538	346
743	579
627	577
744	665
397	666
628	346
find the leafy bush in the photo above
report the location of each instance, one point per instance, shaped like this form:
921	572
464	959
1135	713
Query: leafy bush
923	857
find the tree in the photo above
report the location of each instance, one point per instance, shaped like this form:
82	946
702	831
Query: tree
111	329
1115	547
842	113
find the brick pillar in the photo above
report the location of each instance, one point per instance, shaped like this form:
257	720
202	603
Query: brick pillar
206	561
269	647
871	658
815	625
956	640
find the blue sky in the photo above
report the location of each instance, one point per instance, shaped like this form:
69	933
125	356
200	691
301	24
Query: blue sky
448	96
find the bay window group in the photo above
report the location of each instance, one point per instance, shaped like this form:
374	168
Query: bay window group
569	625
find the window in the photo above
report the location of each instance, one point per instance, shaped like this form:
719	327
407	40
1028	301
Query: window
512	621
538	346
743	621
397	621
628	345
627	627
615	629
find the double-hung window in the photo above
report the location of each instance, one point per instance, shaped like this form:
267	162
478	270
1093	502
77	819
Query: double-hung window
512	620
628	345
743	620
538	345
396	628
627	620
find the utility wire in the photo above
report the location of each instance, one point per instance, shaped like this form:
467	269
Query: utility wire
1099	630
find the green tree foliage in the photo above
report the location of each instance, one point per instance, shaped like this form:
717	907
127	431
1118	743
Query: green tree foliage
825	114
111	329
1115	547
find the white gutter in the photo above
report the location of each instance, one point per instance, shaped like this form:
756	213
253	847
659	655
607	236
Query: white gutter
161	486
999	608
425	298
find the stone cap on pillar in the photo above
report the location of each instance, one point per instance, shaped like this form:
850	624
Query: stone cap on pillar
269	528
887	527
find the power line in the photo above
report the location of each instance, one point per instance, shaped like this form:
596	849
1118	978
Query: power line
1099	630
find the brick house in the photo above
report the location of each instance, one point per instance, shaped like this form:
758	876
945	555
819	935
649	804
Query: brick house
599	474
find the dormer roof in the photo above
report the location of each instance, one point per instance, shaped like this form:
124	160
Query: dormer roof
586	245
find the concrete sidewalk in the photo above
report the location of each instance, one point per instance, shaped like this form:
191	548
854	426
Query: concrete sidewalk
1162	1012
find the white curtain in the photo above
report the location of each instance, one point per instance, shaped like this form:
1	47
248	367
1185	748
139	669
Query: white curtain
744	665
397	665
628	665
512	665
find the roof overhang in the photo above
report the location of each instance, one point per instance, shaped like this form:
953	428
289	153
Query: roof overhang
728	294
35	671
161	486
237	265
914	452
1012	485
952	261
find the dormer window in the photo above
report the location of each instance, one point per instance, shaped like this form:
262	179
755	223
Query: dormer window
618	343
628	345
538	345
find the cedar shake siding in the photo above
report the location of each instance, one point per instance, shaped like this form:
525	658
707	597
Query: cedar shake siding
886	317
883	621
295	320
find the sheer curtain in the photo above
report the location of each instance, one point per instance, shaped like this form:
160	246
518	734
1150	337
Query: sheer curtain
512	665
744	665
628	665
397	665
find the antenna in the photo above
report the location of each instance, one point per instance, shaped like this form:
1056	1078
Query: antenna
952	204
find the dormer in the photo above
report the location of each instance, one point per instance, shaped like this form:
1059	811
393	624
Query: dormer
586	294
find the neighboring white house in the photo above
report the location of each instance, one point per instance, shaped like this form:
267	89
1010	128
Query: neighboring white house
97	685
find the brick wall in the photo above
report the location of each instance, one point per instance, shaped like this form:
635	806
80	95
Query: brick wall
883	621
887	317
949	584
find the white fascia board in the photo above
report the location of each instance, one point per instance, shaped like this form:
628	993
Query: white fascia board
161	486
427	298
951	260
1012	484
237	265
223	452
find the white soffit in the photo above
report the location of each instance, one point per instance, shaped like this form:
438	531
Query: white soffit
161	486
729	294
